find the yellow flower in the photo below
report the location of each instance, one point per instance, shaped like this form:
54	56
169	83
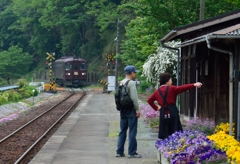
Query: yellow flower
224	127
227	143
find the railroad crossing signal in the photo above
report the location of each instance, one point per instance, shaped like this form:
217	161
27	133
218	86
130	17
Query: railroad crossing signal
109	57
110	62
113	65
50	58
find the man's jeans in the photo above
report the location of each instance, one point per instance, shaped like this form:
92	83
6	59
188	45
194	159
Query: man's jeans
128	120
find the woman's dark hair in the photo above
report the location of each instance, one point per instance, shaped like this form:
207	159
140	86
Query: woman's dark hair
164	77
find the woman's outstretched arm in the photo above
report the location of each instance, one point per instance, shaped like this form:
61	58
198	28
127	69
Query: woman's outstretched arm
183	88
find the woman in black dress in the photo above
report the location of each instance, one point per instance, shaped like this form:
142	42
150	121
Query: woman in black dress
166	96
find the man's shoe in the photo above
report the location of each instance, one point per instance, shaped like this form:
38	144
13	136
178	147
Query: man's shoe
120	155
136	155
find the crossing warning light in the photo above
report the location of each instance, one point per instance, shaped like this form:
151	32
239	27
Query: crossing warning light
46	66
113	65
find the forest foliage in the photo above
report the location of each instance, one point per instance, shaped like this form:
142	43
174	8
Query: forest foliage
87	28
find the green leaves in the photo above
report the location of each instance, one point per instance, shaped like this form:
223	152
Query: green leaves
155	18
14	63
87	28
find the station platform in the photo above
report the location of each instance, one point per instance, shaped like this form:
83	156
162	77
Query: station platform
89	136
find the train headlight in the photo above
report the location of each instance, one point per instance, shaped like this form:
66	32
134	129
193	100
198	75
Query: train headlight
83	73
75	73
68	73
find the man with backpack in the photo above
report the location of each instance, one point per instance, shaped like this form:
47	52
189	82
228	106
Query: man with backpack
126	100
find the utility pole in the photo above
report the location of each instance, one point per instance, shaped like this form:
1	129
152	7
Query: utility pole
201	14
116	59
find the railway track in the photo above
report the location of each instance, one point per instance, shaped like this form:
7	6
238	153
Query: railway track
17	145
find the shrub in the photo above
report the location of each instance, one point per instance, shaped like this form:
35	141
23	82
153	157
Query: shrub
25	93
22	83
144	85
120	78
163	60
3	99
30	88
13	96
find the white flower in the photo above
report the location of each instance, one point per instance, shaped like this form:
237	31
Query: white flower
163	60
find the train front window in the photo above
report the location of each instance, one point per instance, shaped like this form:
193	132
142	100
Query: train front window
75	67
83	66
68	66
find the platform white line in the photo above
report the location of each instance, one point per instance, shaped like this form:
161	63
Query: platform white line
99	114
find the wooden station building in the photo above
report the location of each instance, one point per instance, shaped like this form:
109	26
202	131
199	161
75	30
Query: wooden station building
210	53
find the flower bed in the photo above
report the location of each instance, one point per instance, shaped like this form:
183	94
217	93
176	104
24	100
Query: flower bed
225	127
228	144
206	126
189	147
198	144
150	116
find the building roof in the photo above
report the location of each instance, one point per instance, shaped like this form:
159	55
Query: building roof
175	33
233	30
229	32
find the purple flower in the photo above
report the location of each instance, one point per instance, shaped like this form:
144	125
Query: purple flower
189	147
203	125
148	112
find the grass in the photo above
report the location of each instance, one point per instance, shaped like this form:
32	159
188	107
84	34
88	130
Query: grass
114	129
93	86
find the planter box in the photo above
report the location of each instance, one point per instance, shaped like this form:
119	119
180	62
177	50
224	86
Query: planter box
156	129
161	159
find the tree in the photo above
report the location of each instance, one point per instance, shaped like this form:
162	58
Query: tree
163	60
154	18
8	36
14	63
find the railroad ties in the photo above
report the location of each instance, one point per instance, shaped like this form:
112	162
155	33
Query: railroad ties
22	141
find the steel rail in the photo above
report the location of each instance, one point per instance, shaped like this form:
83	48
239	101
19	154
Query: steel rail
25	125
40	138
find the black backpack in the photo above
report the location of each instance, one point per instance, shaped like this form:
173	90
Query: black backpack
122	98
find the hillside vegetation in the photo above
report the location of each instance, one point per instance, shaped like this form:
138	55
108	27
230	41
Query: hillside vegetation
87	28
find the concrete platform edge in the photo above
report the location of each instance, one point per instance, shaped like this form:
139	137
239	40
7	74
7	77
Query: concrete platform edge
48	151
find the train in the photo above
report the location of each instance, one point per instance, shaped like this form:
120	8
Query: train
70	71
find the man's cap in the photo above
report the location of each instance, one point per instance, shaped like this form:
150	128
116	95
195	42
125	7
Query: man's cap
130	69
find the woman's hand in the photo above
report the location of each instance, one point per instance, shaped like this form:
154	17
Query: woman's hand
159	107
198	84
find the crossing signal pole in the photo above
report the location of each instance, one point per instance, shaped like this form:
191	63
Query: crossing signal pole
50	58
110	62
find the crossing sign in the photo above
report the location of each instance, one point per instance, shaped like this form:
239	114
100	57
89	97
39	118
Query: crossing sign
50	56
